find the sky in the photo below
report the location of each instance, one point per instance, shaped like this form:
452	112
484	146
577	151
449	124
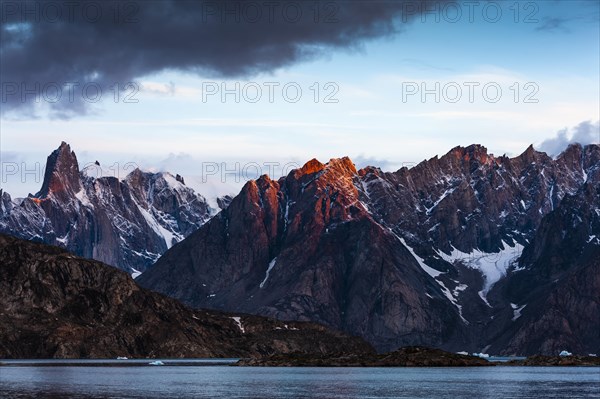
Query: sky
214	92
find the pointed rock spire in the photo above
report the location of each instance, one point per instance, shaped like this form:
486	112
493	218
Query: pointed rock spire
62	173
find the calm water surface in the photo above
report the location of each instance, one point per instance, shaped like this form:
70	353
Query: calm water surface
138	380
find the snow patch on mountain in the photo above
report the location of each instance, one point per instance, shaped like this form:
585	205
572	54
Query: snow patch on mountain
238	321
135	273
443	196
271	266
83	198
516	310
429	270
451	295
167	235
492	265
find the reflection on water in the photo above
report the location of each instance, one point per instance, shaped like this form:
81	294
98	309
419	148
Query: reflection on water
211	381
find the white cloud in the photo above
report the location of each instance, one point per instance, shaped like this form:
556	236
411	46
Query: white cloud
585	133
168	89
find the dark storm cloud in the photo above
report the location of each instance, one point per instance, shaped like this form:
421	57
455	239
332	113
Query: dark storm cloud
118	41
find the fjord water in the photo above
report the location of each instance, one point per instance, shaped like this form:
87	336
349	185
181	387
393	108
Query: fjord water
209	381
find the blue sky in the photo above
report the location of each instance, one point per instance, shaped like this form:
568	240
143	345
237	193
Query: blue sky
554	60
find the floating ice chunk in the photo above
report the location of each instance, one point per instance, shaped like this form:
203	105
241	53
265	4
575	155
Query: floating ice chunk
156	363
565	354
481	355
122	358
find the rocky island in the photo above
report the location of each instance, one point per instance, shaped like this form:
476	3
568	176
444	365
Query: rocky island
560	361
412	356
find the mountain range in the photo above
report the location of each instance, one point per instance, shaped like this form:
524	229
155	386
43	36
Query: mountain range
467	251
410	257
125	223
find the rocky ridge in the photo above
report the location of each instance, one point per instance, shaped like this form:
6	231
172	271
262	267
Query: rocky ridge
56	305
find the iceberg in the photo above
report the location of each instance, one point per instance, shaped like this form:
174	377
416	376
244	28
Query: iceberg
565	354
156	363
481	355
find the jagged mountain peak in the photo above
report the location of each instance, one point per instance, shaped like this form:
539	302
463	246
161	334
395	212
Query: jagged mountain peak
253	187
311	167
532	155
374	170
342	165
61	176
471	150
474	153
134	174
575	151
158	182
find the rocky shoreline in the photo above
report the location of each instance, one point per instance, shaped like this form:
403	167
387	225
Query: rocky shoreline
414	356
558	361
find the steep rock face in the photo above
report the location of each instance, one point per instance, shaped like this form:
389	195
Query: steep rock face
399	258
554	293
127	224
55	305
305	248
